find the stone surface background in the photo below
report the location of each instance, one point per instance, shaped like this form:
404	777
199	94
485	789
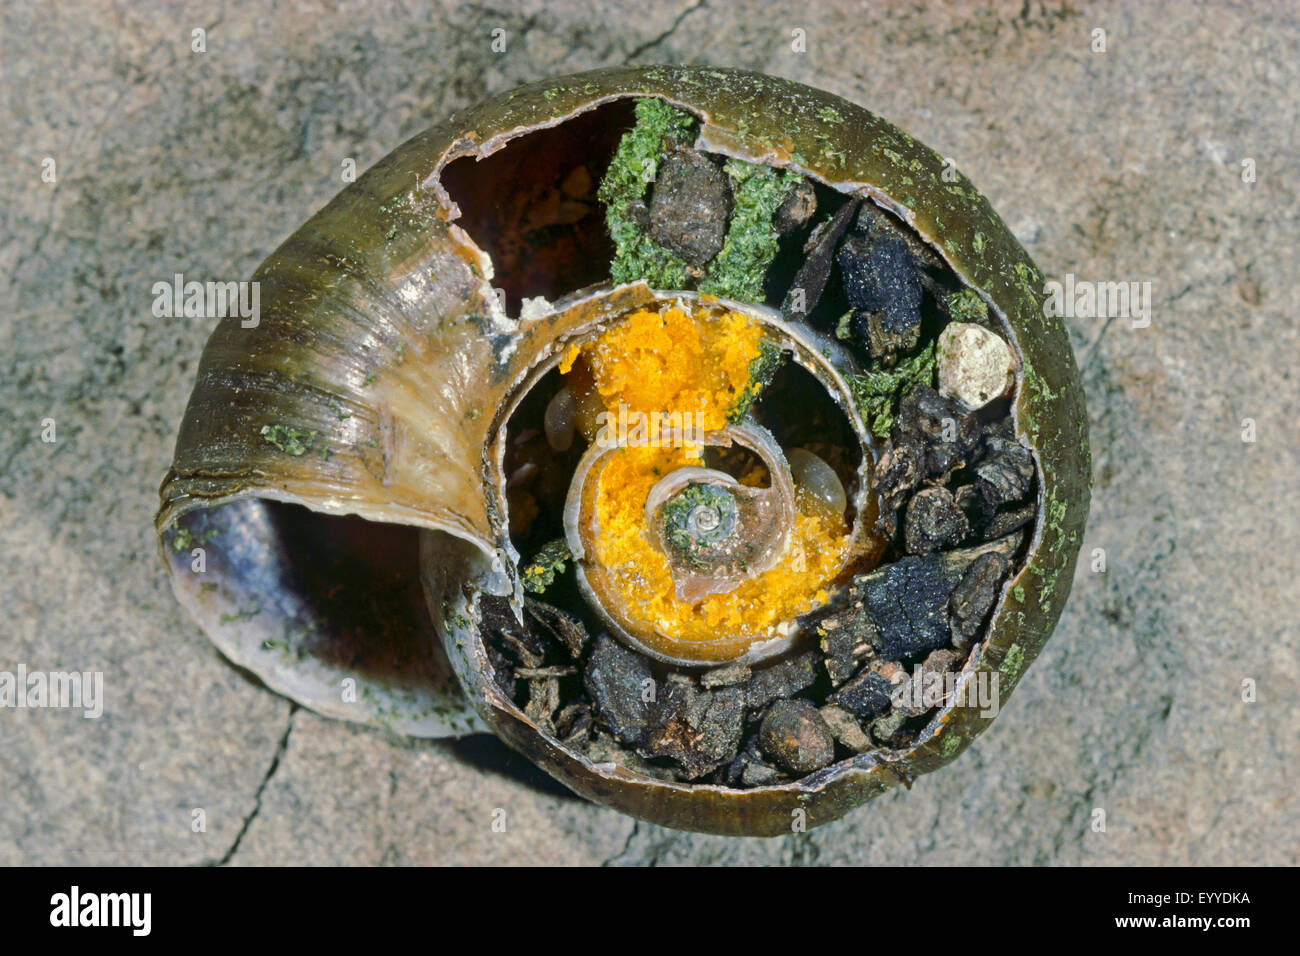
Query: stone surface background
1123	165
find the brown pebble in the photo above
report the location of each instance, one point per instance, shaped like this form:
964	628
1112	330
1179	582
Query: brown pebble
846	729
796	737
689	206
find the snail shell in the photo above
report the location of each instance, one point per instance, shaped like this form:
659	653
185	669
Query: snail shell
361	423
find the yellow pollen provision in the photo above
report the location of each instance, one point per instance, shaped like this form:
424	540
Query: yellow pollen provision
697	536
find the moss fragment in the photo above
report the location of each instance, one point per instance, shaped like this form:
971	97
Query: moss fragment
633	168
762	369
1013	663
877	390
541	572
967	306
740	267
738	270
291	441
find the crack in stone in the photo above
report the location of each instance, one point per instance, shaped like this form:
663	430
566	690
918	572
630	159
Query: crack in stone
280	748
650	44
627	845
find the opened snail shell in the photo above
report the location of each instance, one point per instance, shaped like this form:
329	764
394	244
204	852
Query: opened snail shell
359	481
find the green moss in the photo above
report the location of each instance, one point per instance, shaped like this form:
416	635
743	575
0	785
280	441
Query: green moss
967	306
291	441
762	369
183	540
738	270
541	572
951	744
1013	663
877	390
750	245
633	168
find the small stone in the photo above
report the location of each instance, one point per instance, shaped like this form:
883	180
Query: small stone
749	769
1005	522
845	729
865	696
904	698
795	736
726	676
690	204
783	679
897	473
946	429
616	679
933	521
881	283
757	774
972	599
884	728
796	209
1005	472
847	641
975	366
699	730
908	603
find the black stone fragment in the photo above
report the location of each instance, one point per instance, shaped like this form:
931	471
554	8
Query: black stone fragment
933	521
795	736
810	281
617	679
864	696
908	603
690	204
847	641
881	283
796	209
726	676
1004	473
698	730
1007	521
971	600
898	471
948	432
783	679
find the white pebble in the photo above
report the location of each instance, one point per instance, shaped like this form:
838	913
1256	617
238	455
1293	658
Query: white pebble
975	366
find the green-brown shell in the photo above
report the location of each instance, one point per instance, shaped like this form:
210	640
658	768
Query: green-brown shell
379	294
